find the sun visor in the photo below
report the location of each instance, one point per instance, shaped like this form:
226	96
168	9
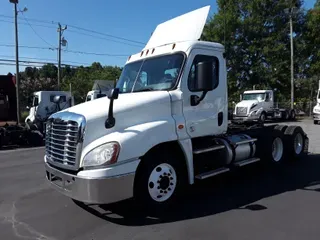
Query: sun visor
186	27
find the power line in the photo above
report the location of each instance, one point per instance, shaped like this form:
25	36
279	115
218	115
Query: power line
44	59
80	28
69	51
111	40
81	33
23	23
96	54
108	35
37	33
34	62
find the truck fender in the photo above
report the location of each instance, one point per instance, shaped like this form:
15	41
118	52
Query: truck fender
137	140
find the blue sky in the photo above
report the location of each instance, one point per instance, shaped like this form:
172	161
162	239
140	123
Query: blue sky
134	20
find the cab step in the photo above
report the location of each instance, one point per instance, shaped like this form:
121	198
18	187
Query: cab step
212	173
246	162
209	149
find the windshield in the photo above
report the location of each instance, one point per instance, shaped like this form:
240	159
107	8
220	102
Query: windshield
159	73
254	96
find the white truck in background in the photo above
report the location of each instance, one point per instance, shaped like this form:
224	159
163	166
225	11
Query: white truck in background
259	105
163	127
100	89
44	105
316	109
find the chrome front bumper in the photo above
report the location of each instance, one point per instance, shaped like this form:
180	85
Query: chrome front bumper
316	116
91	190
246	118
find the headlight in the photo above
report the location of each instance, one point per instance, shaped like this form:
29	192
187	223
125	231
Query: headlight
105	154
316	110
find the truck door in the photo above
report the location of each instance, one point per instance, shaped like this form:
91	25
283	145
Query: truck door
210	116
33	109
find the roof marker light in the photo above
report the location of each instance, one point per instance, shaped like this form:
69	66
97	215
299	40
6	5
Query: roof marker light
173	46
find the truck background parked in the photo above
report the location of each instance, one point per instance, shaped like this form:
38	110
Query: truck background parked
259	105
316	109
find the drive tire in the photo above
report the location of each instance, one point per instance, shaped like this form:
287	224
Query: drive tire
161	179
272	148
282	128
292	114
295	142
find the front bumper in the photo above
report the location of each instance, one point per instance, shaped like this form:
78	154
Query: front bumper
316	116
91	190
246	118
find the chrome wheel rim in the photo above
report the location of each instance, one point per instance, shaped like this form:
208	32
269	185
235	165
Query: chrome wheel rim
298	143
162	182
277	149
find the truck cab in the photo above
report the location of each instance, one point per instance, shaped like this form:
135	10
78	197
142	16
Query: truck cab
254	105
43	104
164	125
95	94
316	110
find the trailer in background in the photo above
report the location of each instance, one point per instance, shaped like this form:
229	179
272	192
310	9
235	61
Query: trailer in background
8	103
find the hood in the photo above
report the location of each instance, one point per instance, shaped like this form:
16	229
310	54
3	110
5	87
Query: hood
128	110
247	103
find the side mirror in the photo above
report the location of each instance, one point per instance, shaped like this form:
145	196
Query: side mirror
204	71
27	107
57	99
114	93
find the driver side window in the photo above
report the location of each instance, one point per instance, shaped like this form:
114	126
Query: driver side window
192	78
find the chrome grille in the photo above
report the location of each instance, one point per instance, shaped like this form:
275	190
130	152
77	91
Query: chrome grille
241	111
64	134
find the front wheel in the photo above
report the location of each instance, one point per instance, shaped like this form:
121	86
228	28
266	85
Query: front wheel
160	180
262	117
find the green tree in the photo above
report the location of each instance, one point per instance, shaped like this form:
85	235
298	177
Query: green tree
257	42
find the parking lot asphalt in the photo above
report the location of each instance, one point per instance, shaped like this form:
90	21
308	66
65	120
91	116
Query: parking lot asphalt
256	203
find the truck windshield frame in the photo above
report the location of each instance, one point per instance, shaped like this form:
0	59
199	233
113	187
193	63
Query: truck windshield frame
254	96
159	73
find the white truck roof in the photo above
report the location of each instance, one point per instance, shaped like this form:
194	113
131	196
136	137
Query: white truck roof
177	34
186	27
257	91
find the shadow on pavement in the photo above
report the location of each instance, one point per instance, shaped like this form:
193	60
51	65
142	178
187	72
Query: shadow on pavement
239	190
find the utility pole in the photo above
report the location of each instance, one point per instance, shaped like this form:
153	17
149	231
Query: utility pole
63	42
15	2
291	46
290	11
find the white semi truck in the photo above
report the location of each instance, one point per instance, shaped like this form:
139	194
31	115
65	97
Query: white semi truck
316	109
259	105
166	129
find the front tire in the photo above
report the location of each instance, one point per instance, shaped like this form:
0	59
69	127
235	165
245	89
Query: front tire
262	117
161	180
